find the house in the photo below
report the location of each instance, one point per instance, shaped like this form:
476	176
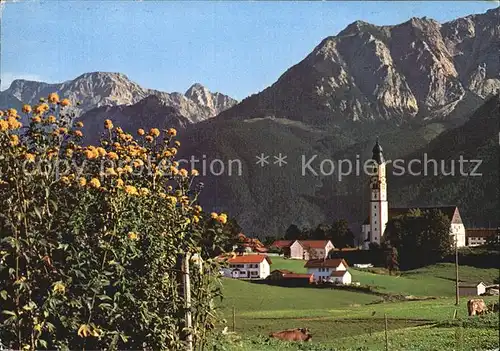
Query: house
329	270
304	249
248	267
246	244
285	277
466	289
479	236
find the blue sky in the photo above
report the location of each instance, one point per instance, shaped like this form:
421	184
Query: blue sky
237	48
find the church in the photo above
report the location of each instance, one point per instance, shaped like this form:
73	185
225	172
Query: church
373	228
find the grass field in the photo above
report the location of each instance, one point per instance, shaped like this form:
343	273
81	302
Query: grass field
346	320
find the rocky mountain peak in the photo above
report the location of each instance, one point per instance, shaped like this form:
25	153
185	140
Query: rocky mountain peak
216	102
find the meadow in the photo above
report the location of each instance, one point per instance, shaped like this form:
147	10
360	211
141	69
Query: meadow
349	320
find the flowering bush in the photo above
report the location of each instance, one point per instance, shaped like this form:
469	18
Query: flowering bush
92	237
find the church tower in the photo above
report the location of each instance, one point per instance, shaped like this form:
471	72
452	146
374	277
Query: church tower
379	208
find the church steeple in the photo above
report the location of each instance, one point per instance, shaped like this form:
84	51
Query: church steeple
377	153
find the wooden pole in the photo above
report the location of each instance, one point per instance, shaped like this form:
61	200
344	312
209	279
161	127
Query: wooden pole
187	301
457	288
386	336
234	319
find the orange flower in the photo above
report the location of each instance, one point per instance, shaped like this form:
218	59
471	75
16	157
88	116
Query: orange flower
63	130
108	124
131	190
79	124
82	181
3	125
133	236
155	132
78	133
29	157
95	183
53	98
84	331
112	155
214	215
172	132
222	218
51	119
42	108
149	138
14	140
183	173
14	123
140	131
119	183
177	143
12	112
36	119
194	172
26	108
65	102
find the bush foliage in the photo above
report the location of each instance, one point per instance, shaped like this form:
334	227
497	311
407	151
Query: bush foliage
92	237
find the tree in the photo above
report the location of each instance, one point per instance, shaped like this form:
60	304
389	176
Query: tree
322	232
341	235
293	233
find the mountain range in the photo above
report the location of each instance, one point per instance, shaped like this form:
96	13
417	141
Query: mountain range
420	86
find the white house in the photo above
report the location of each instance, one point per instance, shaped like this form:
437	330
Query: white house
479	236
305	249
471	289
248	267
331	270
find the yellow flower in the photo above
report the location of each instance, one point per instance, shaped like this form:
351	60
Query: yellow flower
173	150
69	152
214	215
51	119
177	143
12	112
133	236
196	219
29	157
138	163
79	124
172	200
140	131
36	119
59	288
95	183
119	183
127	169
174	170
197	208
149	138
183	172
100	150
82	181
65	102
90	154
222	219
111	172
78	133
41	108
65	180
144	191
108	124
112	155
14	140
169	188
155	132
13	123
4	125
53	98
131	190
84	331
172	132
194	172
63	130
26	108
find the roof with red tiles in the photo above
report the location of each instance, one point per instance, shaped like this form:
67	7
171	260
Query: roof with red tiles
314	244
282	243
331	263
338	273
249	259
297	276
480	232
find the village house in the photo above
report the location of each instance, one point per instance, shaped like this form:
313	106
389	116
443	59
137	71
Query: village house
248	267
285	277
304	249
471	289
330	270
246	244
479	236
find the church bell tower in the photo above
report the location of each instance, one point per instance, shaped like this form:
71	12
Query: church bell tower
379	208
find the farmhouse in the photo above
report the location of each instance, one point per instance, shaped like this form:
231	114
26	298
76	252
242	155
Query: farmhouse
471	289
479	236
329	270
373	228
246	244
248	267
305	249
285	277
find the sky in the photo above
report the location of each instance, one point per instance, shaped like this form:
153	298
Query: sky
237	48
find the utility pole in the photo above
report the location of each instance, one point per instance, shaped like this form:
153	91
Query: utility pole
457	288
187	303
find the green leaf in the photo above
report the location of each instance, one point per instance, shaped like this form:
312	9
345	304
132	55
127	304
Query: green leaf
9	313
3	294
38	212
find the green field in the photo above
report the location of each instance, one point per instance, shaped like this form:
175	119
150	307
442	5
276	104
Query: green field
347	320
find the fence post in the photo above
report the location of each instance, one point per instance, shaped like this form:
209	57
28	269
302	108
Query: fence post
234	319
187	301
386	336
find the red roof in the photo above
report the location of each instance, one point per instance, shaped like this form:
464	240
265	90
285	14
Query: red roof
282	271
260	249
331	263
282	243
249	259
314	244
338	273
297	276
480	232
